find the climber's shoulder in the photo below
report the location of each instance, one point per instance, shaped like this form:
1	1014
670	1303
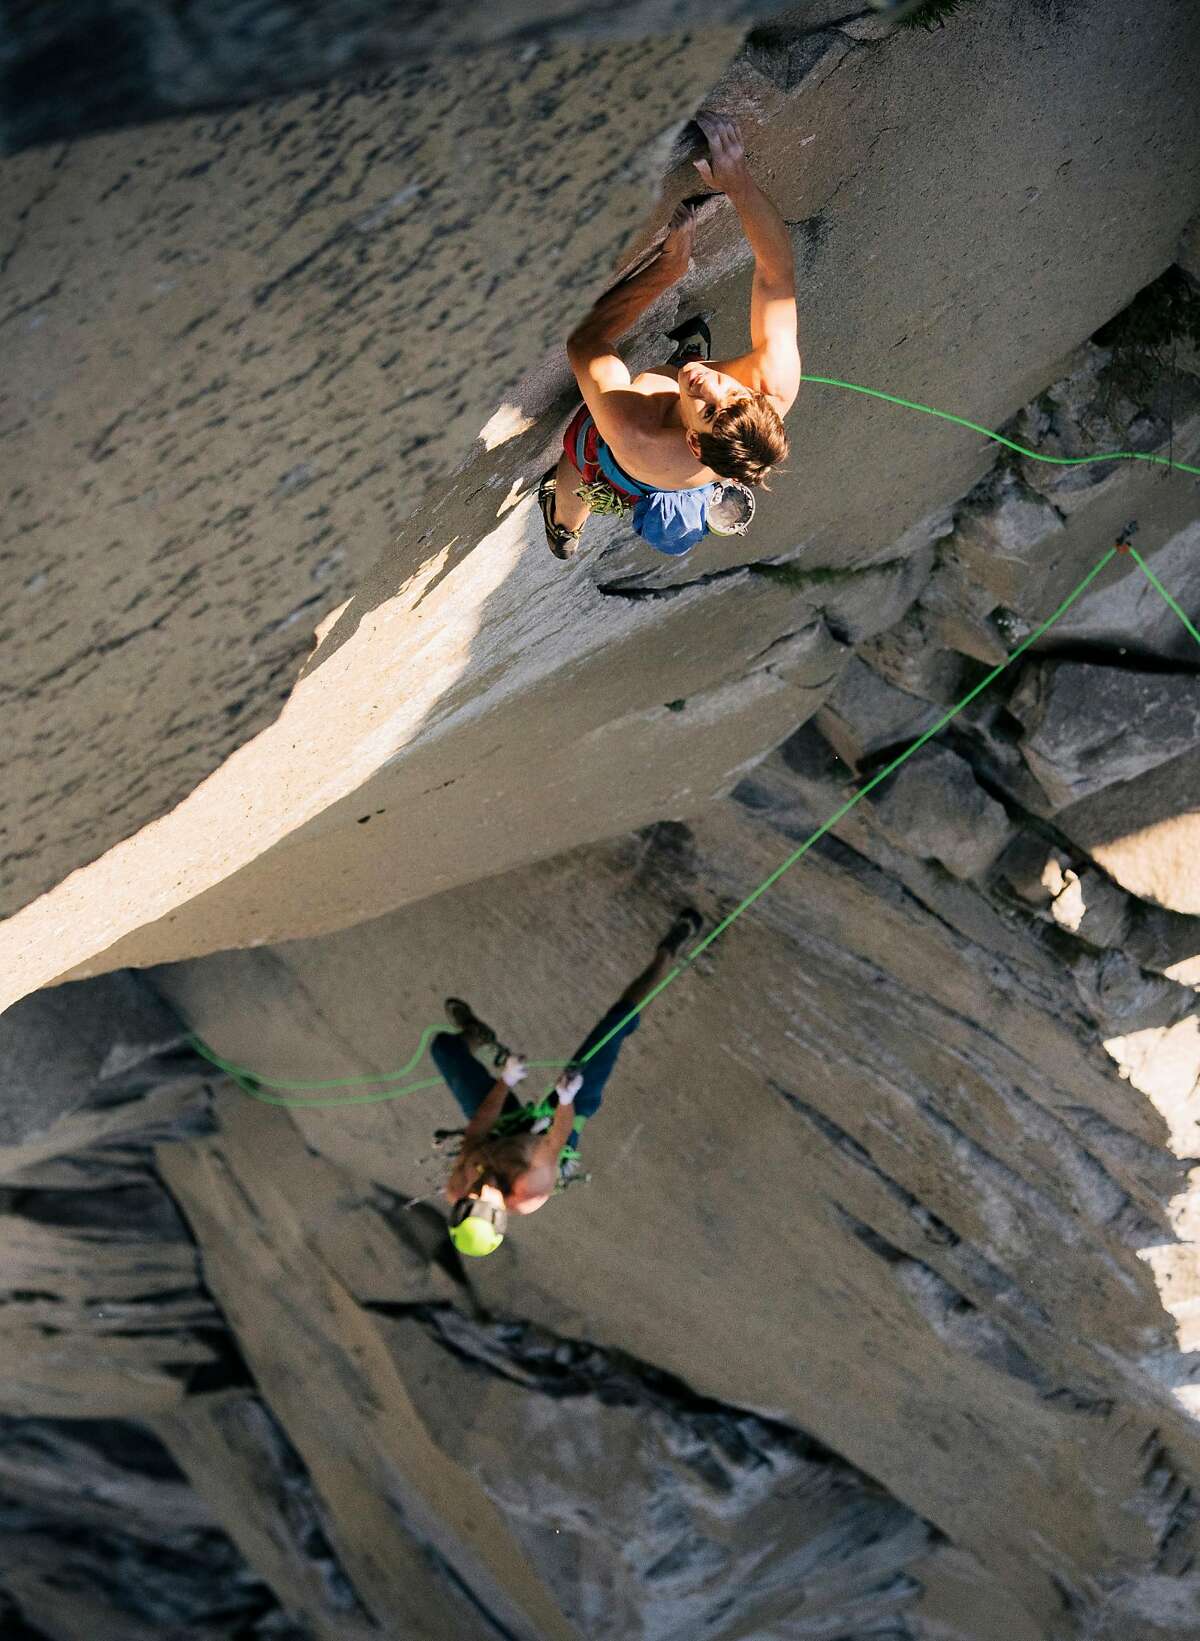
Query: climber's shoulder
626	411
774	372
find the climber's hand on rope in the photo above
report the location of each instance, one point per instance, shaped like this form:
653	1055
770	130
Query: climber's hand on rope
514	1070
567	1086
725	168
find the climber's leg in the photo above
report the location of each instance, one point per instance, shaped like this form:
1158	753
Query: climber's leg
563	513
569	510
467	1080
599	1068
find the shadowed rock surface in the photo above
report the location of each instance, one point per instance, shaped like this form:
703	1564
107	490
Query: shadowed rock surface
878	1316
160	60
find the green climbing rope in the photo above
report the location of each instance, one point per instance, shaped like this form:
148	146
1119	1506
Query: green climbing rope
254	1085
251	1083
1158	586
999	438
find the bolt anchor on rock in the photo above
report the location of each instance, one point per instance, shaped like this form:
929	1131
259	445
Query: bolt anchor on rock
1124	541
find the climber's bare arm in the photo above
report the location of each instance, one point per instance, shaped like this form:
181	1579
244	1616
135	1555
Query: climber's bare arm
484	1119
459	1182
620	413
773	364
557	1135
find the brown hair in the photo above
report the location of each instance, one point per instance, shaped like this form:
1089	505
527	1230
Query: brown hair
744	441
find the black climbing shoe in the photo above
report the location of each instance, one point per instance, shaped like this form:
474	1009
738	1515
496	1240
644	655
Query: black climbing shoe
462	1016
692	339
687	925
563	543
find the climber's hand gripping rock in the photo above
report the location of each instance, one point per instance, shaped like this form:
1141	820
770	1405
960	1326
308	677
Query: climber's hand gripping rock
725	168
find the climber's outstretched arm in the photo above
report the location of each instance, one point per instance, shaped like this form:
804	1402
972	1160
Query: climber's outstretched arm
489	1110
481	1124
773	364
592	346
463	1174
512	1072
559	1132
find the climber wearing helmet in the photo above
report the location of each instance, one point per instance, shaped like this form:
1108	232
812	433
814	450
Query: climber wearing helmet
674	443
511	1154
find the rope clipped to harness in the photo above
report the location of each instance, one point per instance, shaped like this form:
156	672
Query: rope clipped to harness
534	1119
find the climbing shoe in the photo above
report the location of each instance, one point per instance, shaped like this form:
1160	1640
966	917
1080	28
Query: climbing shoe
692	339
464	1019
687	925
563	543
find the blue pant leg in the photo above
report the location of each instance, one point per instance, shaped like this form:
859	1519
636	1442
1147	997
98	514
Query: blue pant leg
467	1080
600	1067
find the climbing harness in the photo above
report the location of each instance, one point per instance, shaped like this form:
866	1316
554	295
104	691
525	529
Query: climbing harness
254	1085
536	1118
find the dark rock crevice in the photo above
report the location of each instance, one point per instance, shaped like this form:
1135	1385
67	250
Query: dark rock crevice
977	1270
636	594
99	1509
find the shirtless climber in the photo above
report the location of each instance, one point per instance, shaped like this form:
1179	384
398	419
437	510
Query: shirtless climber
661	443
510	1157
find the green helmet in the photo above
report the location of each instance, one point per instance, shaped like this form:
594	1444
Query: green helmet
477	1228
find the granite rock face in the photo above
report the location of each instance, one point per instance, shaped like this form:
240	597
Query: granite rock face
143	1448
110	1037
877	1314
865	715
237	349
903	1085
934	808
320	353
1087	727
1146	833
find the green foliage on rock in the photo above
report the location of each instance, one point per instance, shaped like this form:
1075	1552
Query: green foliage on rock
933	14
1146	336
